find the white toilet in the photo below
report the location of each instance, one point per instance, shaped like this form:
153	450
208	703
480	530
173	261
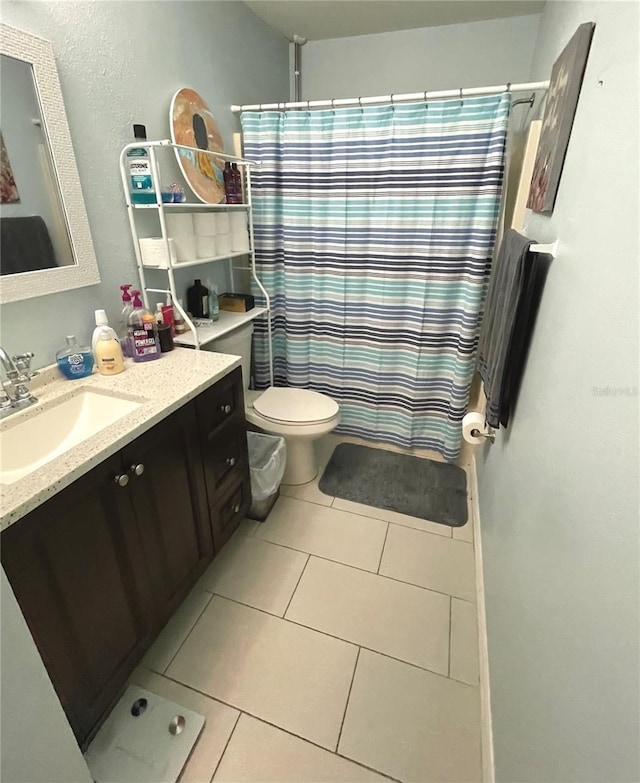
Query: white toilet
300	416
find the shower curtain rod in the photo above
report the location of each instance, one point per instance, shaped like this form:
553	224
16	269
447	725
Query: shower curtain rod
400	98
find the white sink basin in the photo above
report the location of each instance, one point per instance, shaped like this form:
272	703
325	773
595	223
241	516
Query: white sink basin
32	442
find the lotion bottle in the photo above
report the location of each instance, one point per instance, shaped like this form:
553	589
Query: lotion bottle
108	353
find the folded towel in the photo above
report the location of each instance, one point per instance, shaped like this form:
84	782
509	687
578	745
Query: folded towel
515	289
25	245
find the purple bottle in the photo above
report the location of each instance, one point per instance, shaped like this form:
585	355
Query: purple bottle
143	332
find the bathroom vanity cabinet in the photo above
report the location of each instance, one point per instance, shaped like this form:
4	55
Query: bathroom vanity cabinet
100	567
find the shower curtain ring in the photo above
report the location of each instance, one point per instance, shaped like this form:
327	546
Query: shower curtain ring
393	103
461	100
426	102
308	105
360	103
508	87
333	108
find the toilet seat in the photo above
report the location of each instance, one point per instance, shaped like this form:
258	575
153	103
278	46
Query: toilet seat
295	406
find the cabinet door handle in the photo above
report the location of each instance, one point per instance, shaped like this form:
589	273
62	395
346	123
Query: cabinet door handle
231	461
121	479
226	409
138	469
236	508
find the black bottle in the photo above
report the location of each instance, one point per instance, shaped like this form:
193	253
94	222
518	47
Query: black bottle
198	300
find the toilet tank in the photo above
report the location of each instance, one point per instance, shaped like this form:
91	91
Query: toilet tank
238	343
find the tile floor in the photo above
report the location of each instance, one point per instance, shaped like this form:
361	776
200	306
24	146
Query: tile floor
334	642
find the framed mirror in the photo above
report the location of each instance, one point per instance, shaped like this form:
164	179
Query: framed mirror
46	244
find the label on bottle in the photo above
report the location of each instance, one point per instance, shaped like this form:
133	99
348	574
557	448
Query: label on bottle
140	173
144	340
76	364
205	306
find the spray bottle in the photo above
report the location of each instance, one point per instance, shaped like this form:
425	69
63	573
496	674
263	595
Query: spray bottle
143	332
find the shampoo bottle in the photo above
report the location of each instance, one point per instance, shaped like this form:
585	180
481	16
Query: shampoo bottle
75	361
143	332
108	353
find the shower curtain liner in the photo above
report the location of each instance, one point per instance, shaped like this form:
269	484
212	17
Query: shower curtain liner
374	230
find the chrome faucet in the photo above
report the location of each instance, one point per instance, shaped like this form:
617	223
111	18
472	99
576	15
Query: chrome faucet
14	392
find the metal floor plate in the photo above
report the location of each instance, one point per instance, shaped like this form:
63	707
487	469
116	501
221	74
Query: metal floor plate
151	746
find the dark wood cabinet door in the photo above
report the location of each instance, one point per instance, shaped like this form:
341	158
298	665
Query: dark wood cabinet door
75	565
223	439
169	499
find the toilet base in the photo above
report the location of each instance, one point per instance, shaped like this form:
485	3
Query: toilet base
301	461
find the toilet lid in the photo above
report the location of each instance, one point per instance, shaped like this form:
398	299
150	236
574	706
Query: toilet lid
295	406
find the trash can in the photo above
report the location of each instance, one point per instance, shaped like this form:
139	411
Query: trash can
267	461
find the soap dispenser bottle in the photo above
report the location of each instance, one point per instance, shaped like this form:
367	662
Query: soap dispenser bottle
75	361
108	353
123	321
143	332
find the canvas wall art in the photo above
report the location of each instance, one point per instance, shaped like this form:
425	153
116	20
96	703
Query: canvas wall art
8	188
562	101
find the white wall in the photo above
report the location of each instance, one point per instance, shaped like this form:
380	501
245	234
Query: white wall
38	745
559	489
431	58
120	63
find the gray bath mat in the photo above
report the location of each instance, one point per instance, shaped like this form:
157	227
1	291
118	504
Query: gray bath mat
435	491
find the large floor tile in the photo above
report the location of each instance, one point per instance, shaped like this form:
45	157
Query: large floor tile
337	535
219	723
256	573
381	614
412	724
464	642
392	516
309	492
162	651
259	753
291	676
442	564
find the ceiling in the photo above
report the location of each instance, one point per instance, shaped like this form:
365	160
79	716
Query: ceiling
320	19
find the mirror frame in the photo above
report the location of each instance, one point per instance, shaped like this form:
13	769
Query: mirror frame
38	53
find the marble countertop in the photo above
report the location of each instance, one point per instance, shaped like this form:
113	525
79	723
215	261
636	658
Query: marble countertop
161	386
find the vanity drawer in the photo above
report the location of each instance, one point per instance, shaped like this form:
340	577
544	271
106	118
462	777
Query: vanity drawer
220	403
225	453
230	511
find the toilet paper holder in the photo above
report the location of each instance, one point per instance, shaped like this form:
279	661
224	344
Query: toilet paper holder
479	434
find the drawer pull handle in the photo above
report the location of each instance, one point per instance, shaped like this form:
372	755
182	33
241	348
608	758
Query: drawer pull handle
236	508
226	409
138	469
231	461
121	479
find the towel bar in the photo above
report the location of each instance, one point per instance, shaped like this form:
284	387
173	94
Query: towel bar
551	249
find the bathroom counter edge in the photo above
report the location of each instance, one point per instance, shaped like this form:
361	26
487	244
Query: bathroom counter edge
163	386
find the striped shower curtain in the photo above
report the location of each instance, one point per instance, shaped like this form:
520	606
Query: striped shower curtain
374	230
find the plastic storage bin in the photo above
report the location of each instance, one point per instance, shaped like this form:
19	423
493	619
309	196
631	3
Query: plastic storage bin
267	461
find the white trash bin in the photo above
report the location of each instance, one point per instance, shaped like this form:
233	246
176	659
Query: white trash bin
267	461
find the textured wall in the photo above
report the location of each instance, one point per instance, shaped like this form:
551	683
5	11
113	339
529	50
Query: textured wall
431	58
120	63
559	489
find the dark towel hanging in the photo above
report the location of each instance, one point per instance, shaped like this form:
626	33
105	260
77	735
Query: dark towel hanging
25	245
513	299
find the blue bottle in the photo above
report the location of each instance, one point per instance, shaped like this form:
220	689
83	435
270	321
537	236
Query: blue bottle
75	361
140	175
